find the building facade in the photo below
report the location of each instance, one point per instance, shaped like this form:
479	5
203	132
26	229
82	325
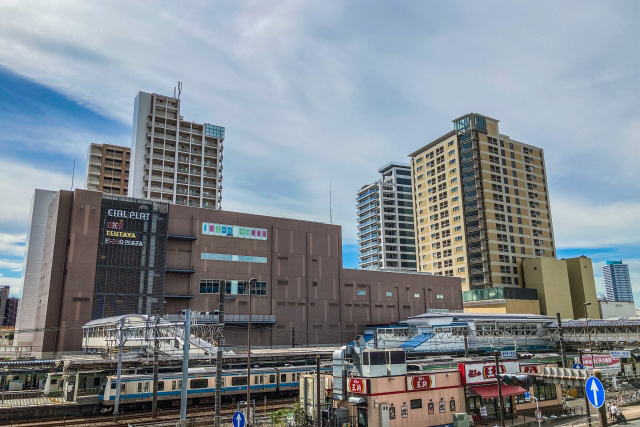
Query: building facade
32	266
107	256
108	168
174	161
386	237
617	282
481	203
11	311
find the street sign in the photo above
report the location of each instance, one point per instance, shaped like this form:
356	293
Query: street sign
238	419
538	415
595	391
619	354
527	396
578	366
483	411
508	354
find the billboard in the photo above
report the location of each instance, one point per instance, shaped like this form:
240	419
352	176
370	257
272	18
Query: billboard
478	373
238	231
608	365
421	382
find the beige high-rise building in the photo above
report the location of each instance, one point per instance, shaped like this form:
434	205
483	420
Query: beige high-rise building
174	160
108	168
481	203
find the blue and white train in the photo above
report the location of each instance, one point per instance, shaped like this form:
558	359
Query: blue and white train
138	389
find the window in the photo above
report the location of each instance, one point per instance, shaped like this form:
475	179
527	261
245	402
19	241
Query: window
458	228
199	383
416	403
460	259
416	295
389	294
461	270
236	258
238	381
362	292
440	296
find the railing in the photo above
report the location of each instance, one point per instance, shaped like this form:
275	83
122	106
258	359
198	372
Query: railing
15	399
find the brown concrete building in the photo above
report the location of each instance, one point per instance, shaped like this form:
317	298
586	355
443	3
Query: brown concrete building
106	256
108	168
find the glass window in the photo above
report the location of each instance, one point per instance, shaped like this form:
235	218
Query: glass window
440	296
160	385
416	403
199	383
238	381
362	292
389	294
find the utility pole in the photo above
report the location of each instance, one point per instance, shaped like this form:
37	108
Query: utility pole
586	399
319	422
116	405
154	404
248	421
603	408
561	333
185	366
293	337
465	333
221	291
500	403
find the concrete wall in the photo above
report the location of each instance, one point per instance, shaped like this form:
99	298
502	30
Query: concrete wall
550	278
509	306
583	286
616	309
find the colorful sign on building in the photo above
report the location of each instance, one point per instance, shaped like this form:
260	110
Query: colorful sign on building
238	231
357	385
478	373
608	365
421	382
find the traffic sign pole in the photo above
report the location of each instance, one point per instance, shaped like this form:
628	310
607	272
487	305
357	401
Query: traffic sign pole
603	407
586	398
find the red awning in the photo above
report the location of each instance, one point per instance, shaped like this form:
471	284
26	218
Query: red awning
489	391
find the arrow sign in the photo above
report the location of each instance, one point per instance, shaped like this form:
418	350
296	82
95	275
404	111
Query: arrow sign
578	366
238	419
595	392
527	397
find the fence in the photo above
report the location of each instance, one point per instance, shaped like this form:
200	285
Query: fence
14	399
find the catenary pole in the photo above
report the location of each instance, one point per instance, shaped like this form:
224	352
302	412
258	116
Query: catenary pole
221	292
154	404
248	420
586	398
116	405
318	399
185	366
561	336
500	403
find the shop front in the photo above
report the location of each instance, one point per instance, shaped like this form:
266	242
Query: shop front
481	389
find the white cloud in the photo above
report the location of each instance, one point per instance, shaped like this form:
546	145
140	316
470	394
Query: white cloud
13	282
582	223
12	244
17	184
13	265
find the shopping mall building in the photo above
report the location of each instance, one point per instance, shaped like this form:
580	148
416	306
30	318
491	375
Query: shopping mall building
107	255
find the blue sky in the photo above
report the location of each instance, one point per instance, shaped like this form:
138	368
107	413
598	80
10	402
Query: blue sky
320	92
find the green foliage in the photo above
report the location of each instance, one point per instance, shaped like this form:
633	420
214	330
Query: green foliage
279	417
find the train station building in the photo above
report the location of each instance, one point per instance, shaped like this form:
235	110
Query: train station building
107	255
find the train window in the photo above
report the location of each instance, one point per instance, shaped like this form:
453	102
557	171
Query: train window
298	377
96	382
122	389
113	385
179	384
54	381
272	379
238	381
199	383
146	386
140	388
283	378
160	385
173	385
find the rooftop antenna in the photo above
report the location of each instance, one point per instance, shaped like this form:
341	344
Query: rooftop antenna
330	212
73	174
179	89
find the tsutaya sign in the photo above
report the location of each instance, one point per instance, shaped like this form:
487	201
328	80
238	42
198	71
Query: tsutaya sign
234	231
478	373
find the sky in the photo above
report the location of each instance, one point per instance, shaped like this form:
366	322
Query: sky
320	94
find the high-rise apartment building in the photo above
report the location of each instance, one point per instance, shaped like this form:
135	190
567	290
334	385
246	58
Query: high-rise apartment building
108	168
481	203
173	160
32	266
617	282
385	221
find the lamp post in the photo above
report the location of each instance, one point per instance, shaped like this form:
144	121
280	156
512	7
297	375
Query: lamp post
251	282
586	316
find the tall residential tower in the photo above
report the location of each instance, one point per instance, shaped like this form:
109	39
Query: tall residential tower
481	204
617	282
173	160
385	221
108	168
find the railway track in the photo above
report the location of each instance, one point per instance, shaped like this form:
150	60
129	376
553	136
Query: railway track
166	415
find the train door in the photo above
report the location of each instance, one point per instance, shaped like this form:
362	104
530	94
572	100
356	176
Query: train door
258	382
176	387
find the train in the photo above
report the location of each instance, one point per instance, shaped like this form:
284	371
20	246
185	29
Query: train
137	389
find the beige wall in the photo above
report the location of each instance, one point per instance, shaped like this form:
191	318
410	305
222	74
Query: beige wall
510	306
550	278
583	287
392	391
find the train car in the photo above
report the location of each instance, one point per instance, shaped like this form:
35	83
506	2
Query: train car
89	382
138	389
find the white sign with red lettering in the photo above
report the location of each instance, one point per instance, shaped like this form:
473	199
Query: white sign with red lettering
608	365
421	382
477	373
357	385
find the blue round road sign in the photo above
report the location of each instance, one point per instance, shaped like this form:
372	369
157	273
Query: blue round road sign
578	366
595	391
238	419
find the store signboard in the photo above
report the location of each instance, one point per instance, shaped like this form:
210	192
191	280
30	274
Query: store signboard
604	362
421	382
238	231
478	373
357	385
